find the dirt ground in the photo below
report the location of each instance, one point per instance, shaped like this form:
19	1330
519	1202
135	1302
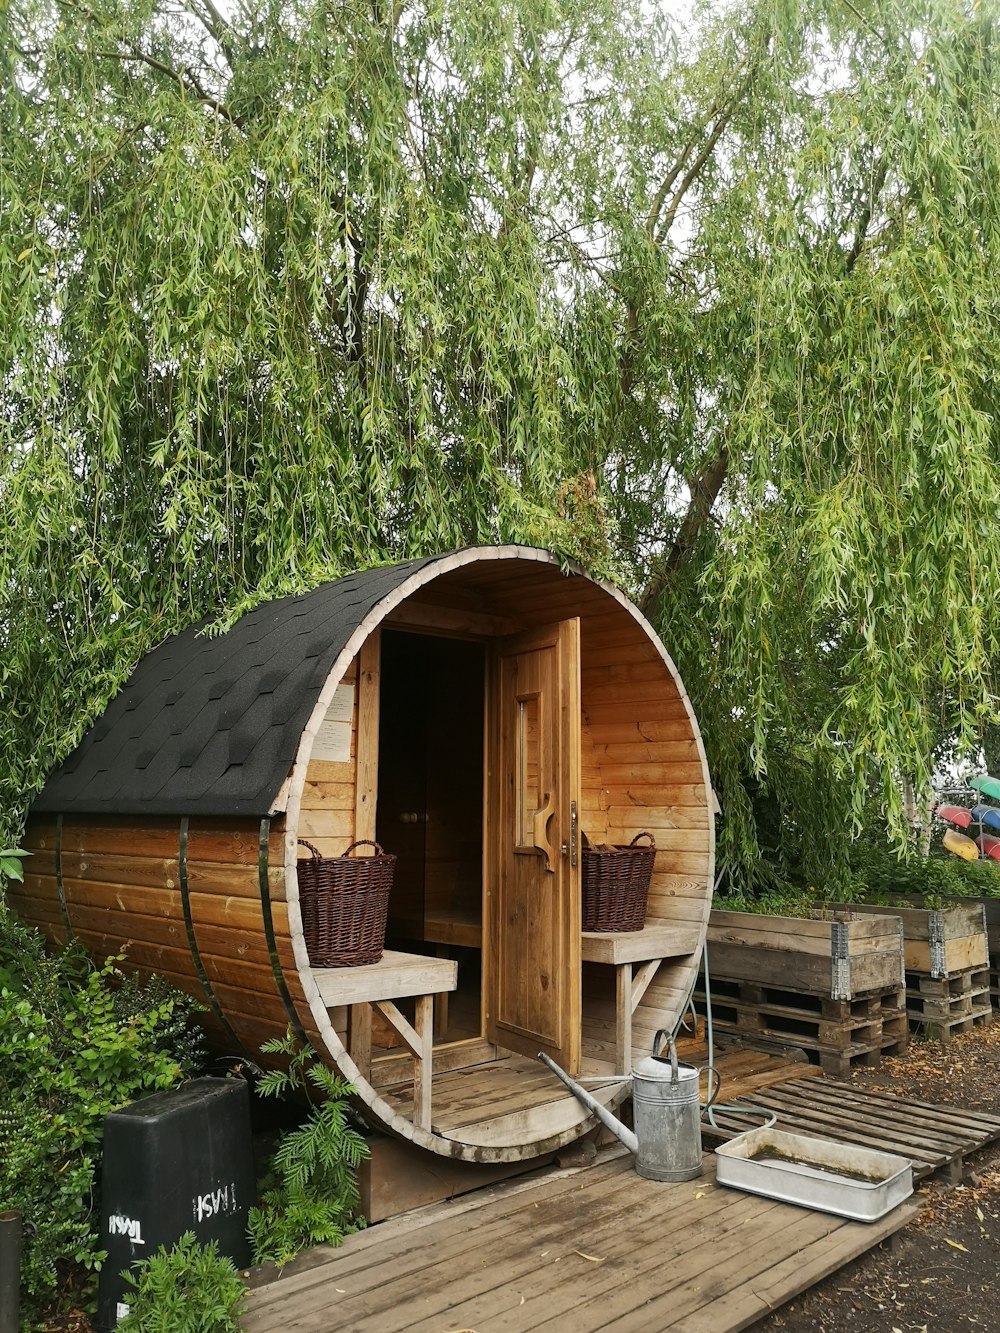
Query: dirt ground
940	1273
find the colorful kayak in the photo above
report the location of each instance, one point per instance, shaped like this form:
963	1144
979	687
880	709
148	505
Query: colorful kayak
960	845
987	785
959	815
989	846
987	815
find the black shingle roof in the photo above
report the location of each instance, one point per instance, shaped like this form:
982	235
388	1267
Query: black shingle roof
211	726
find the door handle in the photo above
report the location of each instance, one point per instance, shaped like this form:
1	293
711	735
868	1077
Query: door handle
539	831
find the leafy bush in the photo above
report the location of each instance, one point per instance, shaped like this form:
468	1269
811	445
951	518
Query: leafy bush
75	1043
888	877
773	902
311	1194
188	1288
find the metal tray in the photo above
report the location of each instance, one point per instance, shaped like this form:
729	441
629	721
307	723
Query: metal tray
815	1173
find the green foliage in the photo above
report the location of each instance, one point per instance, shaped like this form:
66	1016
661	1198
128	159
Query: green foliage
714	310
72	1048
787	902
888	876
187	1288
312	1192
11	866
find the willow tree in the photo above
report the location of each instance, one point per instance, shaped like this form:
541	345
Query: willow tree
801	421
297	287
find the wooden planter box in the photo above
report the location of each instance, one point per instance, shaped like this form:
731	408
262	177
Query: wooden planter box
830	955
831	985
991	911
946	951
941	942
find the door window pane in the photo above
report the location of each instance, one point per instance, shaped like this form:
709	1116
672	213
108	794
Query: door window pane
529	799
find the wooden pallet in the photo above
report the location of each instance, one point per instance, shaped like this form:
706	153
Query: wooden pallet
836	1034
941	1008
934	1138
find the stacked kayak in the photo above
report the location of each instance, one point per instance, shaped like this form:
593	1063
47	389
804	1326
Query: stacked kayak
959	845
959	815
982	821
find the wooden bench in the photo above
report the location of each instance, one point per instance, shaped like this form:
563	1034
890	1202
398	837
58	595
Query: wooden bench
621	951
453	926
376	985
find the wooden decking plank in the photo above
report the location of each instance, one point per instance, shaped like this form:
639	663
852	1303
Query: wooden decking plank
517	1261
708	1255
990	1123
738	1309
459	1097
392	1299
402	1235
629	1258
528	1297
944	1117
583	1292
898	1131
407	1246
498	1102
745	1255
508	1282
505	1246
767	1078
844	1121
795	1120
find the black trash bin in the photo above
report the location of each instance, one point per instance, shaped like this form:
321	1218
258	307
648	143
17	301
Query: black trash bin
174	1162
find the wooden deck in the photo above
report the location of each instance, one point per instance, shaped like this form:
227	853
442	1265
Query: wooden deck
587	1249
495	1102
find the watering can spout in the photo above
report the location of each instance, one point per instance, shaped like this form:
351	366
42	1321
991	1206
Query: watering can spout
611	1122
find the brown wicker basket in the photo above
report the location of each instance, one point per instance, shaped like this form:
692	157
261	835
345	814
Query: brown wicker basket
616	885
344	900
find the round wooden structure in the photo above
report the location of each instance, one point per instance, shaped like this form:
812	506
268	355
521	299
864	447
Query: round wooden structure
474	713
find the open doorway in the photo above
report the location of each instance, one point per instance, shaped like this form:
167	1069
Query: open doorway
430	809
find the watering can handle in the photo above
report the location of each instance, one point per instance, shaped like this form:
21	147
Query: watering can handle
662	1032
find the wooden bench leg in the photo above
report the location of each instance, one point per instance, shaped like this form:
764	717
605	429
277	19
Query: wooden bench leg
419	1040
423	1070
359	1039
623	1018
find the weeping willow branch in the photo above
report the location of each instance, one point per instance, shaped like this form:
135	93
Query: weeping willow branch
185	79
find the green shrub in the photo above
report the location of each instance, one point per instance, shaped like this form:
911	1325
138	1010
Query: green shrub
311	1193
188	1288
888	877
73	1046
772	902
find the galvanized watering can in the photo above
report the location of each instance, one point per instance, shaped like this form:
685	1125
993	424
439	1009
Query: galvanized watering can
667	1137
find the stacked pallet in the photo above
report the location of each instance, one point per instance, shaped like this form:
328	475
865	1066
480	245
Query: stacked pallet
831	985
836	1034
945	1007
947	960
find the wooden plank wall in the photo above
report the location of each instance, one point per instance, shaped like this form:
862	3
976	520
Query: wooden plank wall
121	885
327	815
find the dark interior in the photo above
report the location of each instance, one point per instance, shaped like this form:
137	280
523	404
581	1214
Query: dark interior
430	806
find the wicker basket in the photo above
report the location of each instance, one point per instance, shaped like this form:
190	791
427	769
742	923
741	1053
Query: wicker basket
616	885
344	900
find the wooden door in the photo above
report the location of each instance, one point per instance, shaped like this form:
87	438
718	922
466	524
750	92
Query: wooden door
533	999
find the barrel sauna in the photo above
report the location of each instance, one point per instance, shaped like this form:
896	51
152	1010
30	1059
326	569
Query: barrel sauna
475	714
